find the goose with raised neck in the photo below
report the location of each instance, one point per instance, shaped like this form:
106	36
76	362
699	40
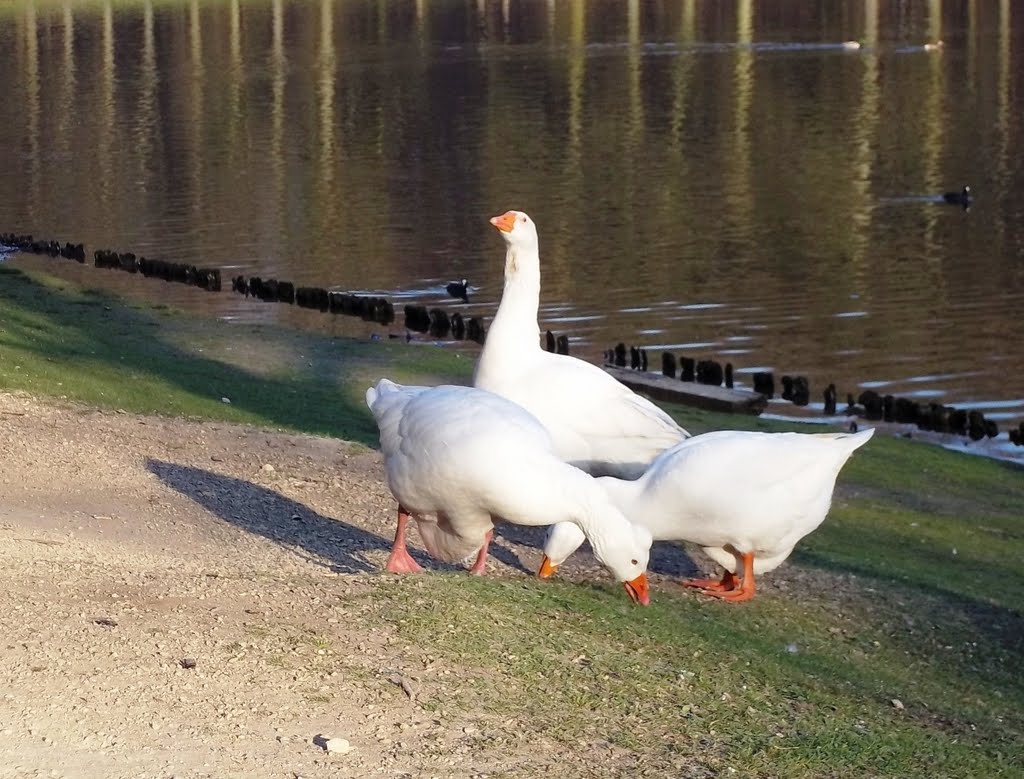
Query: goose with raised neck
596	422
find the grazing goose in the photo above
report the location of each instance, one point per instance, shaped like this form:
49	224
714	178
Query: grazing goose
459	289
747	498
459	458
597	423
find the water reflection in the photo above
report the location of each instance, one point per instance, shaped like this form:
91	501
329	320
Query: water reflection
734	179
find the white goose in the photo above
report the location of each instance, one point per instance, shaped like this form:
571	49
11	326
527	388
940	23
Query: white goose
597	423
457	458
747	498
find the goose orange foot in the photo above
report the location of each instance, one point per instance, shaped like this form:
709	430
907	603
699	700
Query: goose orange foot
480	566
400	561
732	596
726	583
745	590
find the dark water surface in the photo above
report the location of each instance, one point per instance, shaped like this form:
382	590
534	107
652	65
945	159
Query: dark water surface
725	179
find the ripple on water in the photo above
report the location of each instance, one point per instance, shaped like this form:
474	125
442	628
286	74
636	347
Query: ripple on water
696	345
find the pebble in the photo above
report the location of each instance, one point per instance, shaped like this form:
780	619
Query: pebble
333	745
339	746
268	468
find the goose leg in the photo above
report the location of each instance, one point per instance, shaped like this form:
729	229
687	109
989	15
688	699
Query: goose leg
480	566
746	588
400	561
729	581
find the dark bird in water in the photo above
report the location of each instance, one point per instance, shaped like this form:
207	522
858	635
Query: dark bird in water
459	289
961	198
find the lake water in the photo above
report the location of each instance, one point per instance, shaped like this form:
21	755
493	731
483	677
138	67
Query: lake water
723	179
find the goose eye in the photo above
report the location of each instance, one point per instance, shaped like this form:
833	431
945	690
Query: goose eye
633	562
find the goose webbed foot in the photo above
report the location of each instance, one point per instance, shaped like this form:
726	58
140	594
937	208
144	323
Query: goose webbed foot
746	587
480	566
400	561
728	582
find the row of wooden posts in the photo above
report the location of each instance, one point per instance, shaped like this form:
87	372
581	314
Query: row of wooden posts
25	243
869	404
436	321
709	372
203	278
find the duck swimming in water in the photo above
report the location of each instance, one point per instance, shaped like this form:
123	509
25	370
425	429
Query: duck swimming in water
961	198
459	289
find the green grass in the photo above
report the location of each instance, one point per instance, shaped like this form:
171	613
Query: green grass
84	345
875	606
786	686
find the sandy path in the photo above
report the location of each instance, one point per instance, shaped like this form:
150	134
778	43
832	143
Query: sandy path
129	544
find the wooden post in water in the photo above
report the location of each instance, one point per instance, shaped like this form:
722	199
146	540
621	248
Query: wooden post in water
764	382
830	399
688	369
801	391
668	364
620	355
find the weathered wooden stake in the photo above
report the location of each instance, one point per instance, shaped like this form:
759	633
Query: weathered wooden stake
668	364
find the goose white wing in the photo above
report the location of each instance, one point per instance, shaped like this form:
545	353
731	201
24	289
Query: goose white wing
449	417
593	418
755	490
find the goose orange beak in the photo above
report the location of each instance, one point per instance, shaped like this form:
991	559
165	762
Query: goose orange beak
505	222
546	569
637	590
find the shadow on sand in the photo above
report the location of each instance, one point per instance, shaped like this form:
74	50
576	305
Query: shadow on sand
333	542
341	545
344	546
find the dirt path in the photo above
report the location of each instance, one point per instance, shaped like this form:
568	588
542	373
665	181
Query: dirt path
131	546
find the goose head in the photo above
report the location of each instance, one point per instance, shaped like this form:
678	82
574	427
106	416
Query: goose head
561	540
625	550
518	230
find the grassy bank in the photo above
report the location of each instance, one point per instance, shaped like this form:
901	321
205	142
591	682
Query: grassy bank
84	345
890	645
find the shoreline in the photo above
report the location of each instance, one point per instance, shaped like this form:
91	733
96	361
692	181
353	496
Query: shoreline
310	320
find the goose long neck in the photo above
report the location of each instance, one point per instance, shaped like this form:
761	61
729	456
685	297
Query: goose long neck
626	495
600	519
516	319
